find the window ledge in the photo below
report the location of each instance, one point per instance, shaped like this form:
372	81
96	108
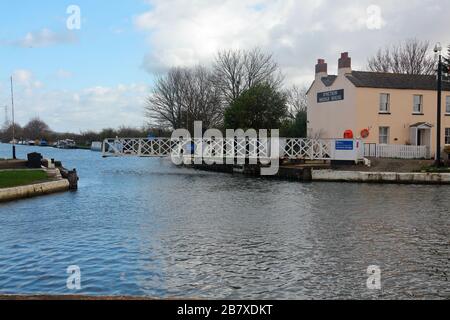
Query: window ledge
385	113
418	114
447	114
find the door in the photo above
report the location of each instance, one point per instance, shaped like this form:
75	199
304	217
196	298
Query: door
424	139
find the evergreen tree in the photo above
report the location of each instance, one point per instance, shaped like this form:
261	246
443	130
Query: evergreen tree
260	107
447	61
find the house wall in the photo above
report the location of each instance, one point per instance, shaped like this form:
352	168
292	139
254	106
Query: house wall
360	110
329	120
401	115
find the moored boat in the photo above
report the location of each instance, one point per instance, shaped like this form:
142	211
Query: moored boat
65	144
96	146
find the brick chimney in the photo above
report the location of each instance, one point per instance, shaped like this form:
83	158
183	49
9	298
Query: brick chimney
321	69
345	64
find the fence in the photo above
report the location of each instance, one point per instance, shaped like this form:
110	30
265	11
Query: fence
396	151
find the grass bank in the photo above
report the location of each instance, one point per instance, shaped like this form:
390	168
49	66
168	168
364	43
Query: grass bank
434	169
15	178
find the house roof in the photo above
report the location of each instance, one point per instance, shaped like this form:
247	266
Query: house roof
421	124
329	80
394	81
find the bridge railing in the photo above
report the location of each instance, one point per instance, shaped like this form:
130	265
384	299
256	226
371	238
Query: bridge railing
237	148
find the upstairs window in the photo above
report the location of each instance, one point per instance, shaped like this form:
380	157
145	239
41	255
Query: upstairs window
447	136
384	135
447	105
418	104
385	99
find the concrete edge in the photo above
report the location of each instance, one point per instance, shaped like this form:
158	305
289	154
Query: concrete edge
380	177
28	191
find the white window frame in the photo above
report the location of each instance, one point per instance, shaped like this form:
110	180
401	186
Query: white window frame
385	107
447	136
418	107
447	105
384	136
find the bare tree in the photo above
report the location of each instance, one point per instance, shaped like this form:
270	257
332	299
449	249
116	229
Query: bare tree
381	62
201	98
296	100
447	58
184	96
36	129
239	70
6	133
410	57
165	105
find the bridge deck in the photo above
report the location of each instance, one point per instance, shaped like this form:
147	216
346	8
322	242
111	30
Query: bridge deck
238	148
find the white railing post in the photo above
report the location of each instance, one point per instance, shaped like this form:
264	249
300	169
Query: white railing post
397	151
140	148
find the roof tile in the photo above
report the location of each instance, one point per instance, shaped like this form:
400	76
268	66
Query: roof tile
394	81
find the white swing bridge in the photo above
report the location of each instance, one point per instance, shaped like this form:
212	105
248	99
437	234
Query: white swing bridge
235	148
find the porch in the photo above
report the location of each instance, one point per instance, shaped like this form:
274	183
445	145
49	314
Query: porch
420	135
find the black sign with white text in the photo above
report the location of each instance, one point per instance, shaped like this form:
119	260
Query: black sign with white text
336	95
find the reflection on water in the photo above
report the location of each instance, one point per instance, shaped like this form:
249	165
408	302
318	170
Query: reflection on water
144	227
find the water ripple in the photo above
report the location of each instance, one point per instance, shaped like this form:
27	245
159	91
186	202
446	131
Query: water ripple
143	227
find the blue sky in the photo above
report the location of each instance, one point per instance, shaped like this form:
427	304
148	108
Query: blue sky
101	75
107	51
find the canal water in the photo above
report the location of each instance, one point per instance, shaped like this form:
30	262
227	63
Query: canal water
146	228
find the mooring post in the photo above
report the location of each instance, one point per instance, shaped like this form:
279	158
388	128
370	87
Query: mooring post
73	179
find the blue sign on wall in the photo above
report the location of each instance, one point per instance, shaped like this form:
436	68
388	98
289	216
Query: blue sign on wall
344	145
330	96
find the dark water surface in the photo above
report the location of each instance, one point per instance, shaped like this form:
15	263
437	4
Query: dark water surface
145	227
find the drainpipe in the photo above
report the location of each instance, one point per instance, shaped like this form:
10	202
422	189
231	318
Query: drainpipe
438	163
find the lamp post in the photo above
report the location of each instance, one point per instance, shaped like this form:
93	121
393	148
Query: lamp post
438	51
13	122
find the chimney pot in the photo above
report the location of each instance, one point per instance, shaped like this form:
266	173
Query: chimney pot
345	62
321	66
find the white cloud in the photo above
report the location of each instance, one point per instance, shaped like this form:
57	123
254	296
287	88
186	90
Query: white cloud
45	38
184	33
26	79
92	108
22	76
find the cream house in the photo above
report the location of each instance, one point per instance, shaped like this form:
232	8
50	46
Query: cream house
380	108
